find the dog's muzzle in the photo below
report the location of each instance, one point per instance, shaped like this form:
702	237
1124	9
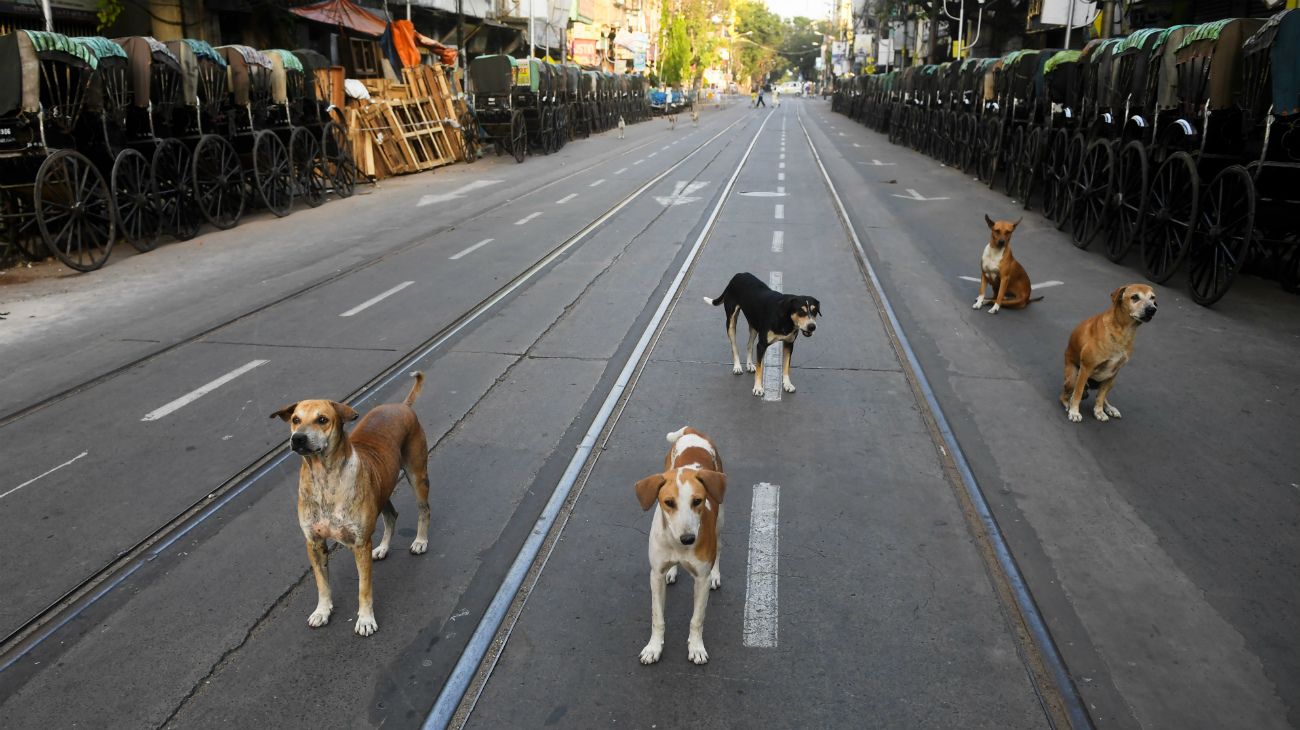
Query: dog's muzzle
1148	314
300	444
807	332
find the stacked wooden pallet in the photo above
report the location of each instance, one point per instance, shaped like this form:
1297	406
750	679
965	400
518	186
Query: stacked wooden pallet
409	127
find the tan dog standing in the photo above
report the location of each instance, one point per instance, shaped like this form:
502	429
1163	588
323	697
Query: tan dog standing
1100	346
1000	270
345	483
687	498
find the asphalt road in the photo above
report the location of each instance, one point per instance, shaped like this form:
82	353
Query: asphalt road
1161	548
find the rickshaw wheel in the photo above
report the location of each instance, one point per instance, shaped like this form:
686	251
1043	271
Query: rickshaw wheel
173	187
218	181
1090	200
340	168
272	173
308	167
1013	164
1031	162
518	136
19	228
134	198
74	210
990	146
1132	176
1221	241
1071	161
1171	216
469	131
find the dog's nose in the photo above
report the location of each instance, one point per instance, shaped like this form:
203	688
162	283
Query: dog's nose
812	326
298	442
688	539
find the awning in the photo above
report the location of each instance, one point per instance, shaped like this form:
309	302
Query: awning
343	13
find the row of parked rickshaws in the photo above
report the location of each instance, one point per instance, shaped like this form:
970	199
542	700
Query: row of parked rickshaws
134	139
1181	142
525	104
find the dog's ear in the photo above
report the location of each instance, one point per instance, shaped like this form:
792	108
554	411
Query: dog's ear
647	490
1117	295
988	220
814	301
284	414
715	483
1017	223
344	412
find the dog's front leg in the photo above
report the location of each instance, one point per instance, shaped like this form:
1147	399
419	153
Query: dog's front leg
980	300
1103	410
658	594
759	350
999	293
1080	385
366	624
695	640
787	349
319	558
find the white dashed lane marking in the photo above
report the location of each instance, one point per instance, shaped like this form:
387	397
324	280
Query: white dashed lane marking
197	393
761	615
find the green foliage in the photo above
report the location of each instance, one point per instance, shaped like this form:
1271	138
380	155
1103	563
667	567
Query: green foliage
760	32
108	11
677	48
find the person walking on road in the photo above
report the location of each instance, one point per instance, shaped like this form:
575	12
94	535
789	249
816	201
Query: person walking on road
759	101
776	98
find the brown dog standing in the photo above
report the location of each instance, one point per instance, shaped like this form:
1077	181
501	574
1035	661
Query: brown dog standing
1100	346
345	483
1000	270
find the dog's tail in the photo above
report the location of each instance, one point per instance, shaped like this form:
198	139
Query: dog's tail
715	302
672	437
415	389
1038	298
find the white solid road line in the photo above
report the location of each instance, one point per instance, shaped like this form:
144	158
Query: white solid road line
780	212
778	241
566	198
194	395
472	249
1033	286
41	476
772	376
379	298
527	218
598	182
761	587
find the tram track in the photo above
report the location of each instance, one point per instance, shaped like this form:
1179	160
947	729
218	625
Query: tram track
39	627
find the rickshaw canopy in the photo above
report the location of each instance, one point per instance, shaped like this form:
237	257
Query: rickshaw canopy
1280	38
144	52
283	63
244	66
1219	43
21	53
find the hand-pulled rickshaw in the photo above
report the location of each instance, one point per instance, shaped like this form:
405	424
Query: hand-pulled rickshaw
248	109
499	108
51	196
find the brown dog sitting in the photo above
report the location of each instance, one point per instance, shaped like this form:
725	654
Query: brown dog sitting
1100	346
1000	270
345	483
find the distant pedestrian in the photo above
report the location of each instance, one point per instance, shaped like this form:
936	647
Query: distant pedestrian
776	98
753	99
759	102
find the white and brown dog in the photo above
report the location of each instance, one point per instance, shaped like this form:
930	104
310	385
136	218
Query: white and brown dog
345	483
1000	270
1100	346
687	498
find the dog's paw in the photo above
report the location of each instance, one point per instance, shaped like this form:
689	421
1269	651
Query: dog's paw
715	580
671	576
1100	415
787	386
379	553
758	391
652	651
419	546
979	303
995	308
749	366
735	368
1112	411
366	625
320	616
1075	416
696	653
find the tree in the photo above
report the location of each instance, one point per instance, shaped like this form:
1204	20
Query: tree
799	44
759	33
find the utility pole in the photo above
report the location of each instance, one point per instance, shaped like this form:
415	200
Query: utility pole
532	46
460	36
49	16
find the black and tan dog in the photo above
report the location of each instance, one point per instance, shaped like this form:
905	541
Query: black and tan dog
1100	346
1000	270
345	483
771	314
